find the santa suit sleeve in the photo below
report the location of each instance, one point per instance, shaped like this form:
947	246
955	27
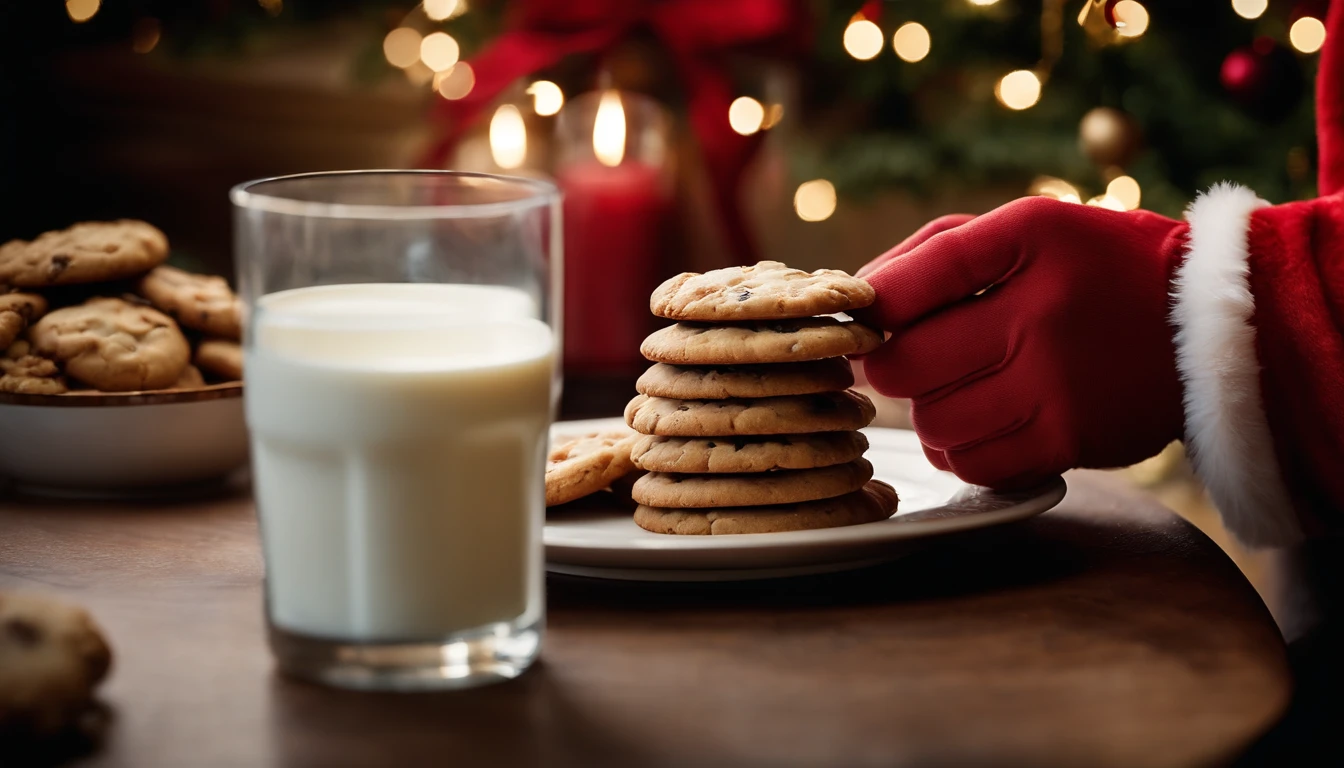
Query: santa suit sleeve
1258	308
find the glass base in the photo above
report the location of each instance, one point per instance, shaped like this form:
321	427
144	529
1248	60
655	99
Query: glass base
489	654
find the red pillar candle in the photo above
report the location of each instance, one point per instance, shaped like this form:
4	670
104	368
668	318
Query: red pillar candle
614	177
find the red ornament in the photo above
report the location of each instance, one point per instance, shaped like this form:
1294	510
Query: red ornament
1108	12
1265	78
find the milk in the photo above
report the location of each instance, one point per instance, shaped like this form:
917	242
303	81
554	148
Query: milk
399	436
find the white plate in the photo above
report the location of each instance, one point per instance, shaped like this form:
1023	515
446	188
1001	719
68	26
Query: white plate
607	543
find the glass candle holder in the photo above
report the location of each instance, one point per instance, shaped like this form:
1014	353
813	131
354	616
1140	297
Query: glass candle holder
612	165
400	354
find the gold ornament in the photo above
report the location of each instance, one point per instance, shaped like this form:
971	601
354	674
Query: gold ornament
1108	137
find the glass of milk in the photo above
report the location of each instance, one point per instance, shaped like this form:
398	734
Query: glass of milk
401	349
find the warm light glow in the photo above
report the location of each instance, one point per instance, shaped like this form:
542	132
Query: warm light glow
1126	190
1131	18
1250	9
1019	89
773	114
547	98
1059	189
1107	202
863	39
402	47
418	73
273	7
456	83
814	200
439	51
508	137
746	115
438	10
81	10
983	2
145	34
609	130
911	42
1307	34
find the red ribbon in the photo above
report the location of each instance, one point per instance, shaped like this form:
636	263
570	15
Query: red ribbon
698	35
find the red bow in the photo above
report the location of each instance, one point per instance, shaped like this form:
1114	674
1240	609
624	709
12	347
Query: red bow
697	34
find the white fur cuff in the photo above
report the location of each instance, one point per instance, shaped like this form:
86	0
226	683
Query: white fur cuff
1227	431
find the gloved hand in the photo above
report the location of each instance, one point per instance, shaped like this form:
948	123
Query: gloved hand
1067	360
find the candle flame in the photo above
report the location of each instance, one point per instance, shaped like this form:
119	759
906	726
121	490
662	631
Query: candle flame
508	137
609	130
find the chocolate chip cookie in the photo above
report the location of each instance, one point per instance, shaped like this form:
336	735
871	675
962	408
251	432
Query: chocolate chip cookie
200	302
113	345
824	412
779	341
220	358
665	489
746	454
90	252
767	291
17	310
579	467
874	502
24	373
725	381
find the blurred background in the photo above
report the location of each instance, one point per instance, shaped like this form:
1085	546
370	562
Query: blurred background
686	134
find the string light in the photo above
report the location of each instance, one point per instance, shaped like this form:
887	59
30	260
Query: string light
439	10
456	83
1250	9
439	51
547	98
1019	89
1107	202
746	115
402	47
863	39
814	200
1131	18
1125	190
145	34
81	11
1307	34
1059	189
508	137
911	42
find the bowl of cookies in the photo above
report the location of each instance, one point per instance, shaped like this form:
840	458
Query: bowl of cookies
118	372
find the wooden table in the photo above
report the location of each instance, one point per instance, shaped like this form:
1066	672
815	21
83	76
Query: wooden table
1106	632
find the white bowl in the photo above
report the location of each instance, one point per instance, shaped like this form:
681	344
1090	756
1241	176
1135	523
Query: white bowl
124	441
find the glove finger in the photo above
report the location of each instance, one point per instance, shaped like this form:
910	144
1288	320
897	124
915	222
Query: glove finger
1025	458
979	412
943	350
940	224
936	457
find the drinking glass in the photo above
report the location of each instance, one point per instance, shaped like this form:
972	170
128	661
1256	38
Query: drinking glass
401	342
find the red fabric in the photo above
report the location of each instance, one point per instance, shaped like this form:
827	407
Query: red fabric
1067	361
697	33
1330	104
1297	279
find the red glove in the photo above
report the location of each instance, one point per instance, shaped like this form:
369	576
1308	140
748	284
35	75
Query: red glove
1066	361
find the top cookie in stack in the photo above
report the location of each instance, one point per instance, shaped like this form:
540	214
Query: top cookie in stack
749	423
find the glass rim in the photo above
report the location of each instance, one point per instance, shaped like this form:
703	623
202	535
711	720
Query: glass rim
246	195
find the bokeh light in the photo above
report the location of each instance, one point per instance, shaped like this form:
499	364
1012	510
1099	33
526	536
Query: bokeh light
1019	89
438	10
81	10
911	41
439	51
1126	190
508	137
145	34
1250	9
814	200
547	98
402	47
457	82
863	39
1307	34
746	115
1131	18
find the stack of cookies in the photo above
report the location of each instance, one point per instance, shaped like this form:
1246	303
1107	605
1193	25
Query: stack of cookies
92	308
748	422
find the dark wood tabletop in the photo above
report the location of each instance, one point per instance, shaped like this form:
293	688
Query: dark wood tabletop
1106	632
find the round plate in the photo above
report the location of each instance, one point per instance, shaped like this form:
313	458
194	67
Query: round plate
601	539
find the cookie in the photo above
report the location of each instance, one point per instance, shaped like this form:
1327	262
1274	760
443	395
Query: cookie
113	345
725	381
585	465
24	373
52	656
662	489
780	341
191	378
767	291
90	252
220	358
874	502
823	412
746	454
200	302
17	310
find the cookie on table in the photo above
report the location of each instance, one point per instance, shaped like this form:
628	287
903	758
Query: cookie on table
200	302
874	502
727	381
91	252
17	310
113	345
822	412
768	290
24	373
663	489
777	341
221	358
746	454
581	466
52	656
